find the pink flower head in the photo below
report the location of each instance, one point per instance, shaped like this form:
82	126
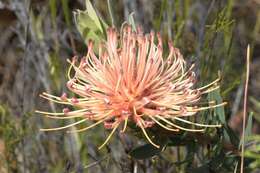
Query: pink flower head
131	80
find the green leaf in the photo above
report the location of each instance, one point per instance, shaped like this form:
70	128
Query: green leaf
101	24
219	111
179	32
55	69
231	86
90	26
87	26
231	135
249	126
53	8
158	21
252	154
131	21
66	11
92	14
256	104
145	151
253	138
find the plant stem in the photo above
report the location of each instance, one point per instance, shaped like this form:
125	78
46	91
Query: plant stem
245	108
111	12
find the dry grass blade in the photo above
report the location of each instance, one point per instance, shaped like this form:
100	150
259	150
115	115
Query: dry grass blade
245	108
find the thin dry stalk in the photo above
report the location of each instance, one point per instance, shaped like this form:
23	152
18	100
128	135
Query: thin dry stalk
245	108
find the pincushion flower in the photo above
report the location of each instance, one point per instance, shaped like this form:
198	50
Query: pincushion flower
131	80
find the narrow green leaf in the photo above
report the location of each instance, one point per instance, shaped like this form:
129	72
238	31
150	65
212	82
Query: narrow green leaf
53	8
252	154
179	32
231	87
230	135
219	111
236	166
249	126
256	104
253	137
131	21
162	10
66	11
111	12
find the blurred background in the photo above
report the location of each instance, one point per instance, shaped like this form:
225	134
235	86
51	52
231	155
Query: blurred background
36	38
